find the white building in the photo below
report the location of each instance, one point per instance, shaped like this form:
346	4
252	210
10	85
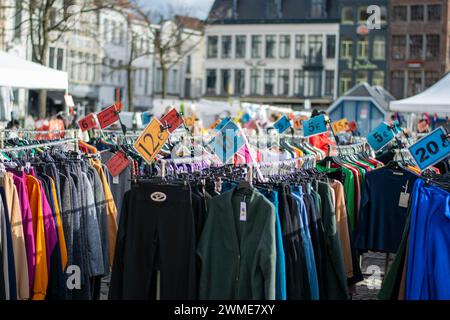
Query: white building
275	52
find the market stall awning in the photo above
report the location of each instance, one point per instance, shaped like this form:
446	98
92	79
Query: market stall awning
435	99
16	72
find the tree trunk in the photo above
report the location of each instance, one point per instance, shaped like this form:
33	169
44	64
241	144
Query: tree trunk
42	104
164	82
130	90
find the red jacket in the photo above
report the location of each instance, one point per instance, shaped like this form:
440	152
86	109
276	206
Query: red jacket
322	141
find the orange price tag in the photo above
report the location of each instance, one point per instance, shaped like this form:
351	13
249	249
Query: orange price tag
340	125
298	123
189	121
215	124
151	140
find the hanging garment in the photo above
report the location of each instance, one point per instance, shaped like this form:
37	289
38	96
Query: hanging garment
156	232
17	236
383	215
237	251
428	265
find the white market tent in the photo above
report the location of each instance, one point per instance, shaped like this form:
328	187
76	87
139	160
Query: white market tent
19	73
435	99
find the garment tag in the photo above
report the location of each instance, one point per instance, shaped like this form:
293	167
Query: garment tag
404	200
243	215
398	173
404	197
116	180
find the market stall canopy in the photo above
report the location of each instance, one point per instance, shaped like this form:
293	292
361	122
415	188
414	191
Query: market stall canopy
16	72
435	99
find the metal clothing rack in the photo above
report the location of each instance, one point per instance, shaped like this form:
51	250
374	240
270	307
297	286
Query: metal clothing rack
41	145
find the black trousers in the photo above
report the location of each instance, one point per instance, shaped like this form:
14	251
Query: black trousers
156	232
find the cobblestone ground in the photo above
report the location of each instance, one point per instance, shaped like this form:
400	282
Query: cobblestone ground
373	265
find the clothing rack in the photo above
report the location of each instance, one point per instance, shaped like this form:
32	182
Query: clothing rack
41	145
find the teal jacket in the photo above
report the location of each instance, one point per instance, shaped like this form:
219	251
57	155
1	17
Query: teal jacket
238	258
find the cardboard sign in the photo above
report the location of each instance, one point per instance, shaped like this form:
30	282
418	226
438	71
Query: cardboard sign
314	126
340	125
189	121
227	142
222	124
297	123
431	149
118	163
282	125
172	119
108	116
151	140
88	122
380	137
146	118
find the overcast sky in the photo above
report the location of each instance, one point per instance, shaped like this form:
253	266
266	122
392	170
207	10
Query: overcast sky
198	8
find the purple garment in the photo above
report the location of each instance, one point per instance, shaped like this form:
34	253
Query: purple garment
27	223
49	225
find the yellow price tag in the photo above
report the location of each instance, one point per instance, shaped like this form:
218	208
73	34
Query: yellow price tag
151	140
340	125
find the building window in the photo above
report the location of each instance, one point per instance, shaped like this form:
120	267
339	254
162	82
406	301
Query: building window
361	76
60	59
431	77
363	49
87	75
347	15
106	30
414	82
416	47
315	47
345	82
269	82
398	84
347	49
113	32
285	47
317	8
398	47
51	58
379	48
255	82
188	64
417	13
147	75
283	82
226	47
433	46
239	82
400	13
211	80
331	46
329	83
212	46
240	46
270	46
363	16
434	12
383	14
225	88
256	47
174	82
378	78
299	46
314	83
299	83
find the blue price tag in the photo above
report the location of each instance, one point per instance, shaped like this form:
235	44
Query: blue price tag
282	125
245	118
146	118
314	126
227	142
431	149
380	137
222	124
397	127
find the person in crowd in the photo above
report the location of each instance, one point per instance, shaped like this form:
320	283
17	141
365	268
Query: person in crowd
321	141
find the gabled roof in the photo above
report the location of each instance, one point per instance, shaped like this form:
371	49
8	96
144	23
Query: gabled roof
379	94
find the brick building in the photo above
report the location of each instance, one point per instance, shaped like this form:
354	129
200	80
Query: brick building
418	45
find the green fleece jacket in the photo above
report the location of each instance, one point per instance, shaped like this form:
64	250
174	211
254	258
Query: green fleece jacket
237	258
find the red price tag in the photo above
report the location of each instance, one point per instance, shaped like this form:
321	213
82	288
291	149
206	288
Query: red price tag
88	123
108	116
118	163
172	119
